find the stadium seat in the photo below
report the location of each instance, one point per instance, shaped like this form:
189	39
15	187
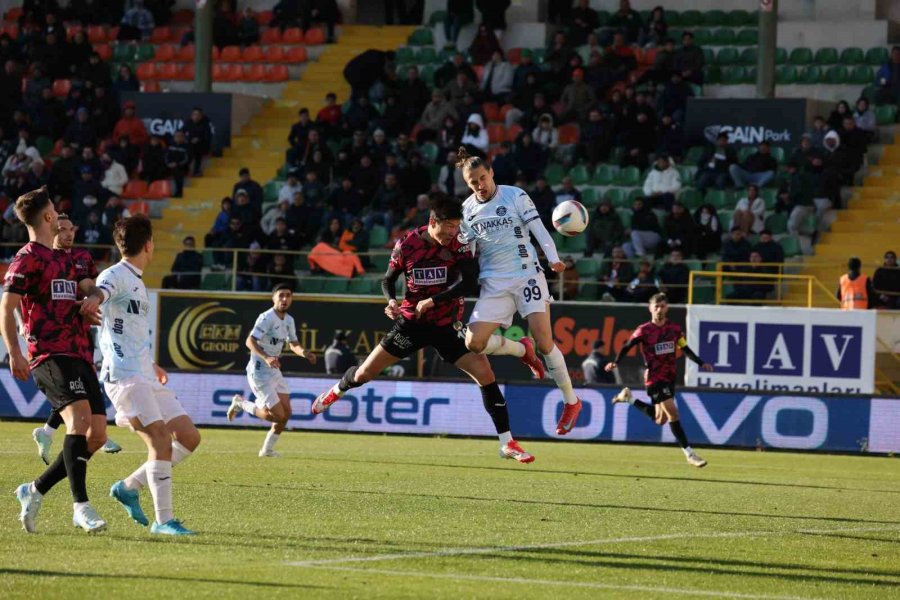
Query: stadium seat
786	74
747	37
733	75
514	56
741	18
146	71
778	154
316	37
123	52
777	223
580	175
405	55
862	75
713	18
61	87
216	281
604	175
135	189
800	56
587	268
568	134
185	54
165	53
72	29
296	55
186	72
421	37
162	35
159	190
270	191
877	56
380	261
253	73
292	35
648	57
826	56
748	56
144	52
44	145
437	17
168	71
97	34
575	243
226	72
359	286
513	132
852	56
270	35
426	55
274	54
691	18
810	75
150	86
721	199
230	54
618	197
554	174
276	74
491	112
378	236
791	246
139	207
628	177
837	75
886	115
263	17
691	198
590	197
719	37
252	54
496	132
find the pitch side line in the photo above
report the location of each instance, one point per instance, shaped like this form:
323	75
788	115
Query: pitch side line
599	542
577	584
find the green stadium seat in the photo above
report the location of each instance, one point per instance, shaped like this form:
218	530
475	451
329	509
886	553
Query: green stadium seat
208	258
590	197
728	56
580	175
629	177
862	75
380	260
144	52
673	18
741	18
616	155
686	172
690	197
429	152
311	285
810	75
809	225
749	75
691	18
587	267
618	197
604	174
404	56
877	56
216	281
769	195
426	55
778	154
712	74
123	52
725	216
378	236
786	74
361	286
625	216
781	56
335	286
575	243
421	37
733	75
852	56
44	145
703	37
800	56
747	37
791	246
826	56
426	74
709	55
777	223
603	17
554	174
538	54
837	75
437	17
721	199
270	191
744	152
886	115
749	56
713	18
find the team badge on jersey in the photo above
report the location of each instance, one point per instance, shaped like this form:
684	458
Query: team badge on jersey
501	211
664	347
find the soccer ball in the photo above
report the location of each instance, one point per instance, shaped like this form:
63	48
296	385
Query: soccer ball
570	218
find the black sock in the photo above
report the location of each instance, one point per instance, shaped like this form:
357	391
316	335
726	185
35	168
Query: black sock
54	420
347	382
55	473
678	431
495	405
645	408
75	453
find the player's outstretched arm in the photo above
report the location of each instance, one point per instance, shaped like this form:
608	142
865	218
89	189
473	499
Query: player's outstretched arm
611	366
682	343
17	363
302	352
545	241
389	289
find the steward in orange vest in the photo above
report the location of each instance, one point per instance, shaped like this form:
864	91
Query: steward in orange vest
854	290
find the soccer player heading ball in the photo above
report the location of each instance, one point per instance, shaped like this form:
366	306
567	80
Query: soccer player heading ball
658	338
500	220
439	271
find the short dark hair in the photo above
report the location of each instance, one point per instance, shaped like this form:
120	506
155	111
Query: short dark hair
657	298
132	234
444	207
31	205
190	239
244	171
282	286
63	217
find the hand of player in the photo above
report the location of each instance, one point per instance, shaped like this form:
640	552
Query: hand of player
610	367
90	308
392	310
423	307
161	376
273	362
19	366
310	356
558	267
706	367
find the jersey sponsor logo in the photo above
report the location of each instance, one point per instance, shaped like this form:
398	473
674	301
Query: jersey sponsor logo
63	289
532	282
134	307
490	225
77	386
664	348
430	276
501	211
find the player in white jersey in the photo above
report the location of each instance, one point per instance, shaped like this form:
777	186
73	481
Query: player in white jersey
134	383
266	343
500	220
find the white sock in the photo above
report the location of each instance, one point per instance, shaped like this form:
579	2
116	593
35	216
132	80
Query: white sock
76	506
505	438
249	407
687	451
500	346
271	440
33	490
338	391
159	476
138	480
48	430
556	364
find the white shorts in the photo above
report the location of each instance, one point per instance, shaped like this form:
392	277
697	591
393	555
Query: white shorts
144	399
501	298
267	390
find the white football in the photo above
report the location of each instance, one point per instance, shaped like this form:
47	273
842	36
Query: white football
570	218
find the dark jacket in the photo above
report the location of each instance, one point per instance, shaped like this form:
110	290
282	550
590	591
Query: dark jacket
186	268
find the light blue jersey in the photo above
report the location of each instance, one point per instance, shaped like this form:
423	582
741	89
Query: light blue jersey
270	332
125	328
499	228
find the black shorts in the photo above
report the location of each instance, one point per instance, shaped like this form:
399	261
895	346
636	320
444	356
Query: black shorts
660	392
66	379
408	336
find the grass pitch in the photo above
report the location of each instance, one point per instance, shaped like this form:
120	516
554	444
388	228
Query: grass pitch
368	516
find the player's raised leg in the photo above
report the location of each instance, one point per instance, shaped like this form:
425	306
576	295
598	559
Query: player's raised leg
479	369
481	339
377	361
539	325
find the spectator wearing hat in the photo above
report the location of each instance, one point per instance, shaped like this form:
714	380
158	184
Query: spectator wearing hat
592	367
178	159
886	282
662	183
186	269
130	126
475	137
338	356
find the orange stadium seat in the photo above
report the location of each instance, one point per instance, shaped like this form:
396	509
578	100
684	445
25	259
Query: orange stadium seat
274	54
568	134
277	73
254	73
514	56
230	54
161	35
648	57
185	54
491	112
13	14
293	35
216	53
104	50
263	17
150	87
272	35
97	34
315	37
504	110
146	71
112	33
159	190
167	71
297	54
135	189
139	207
479	72
186	73
166	53
71	30
232	72
10	29
513	132
252	54
496	132
61	87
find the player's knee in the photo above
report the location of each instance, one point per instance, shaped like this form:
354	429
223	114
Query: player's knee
95	441
189	439
475	345
661	419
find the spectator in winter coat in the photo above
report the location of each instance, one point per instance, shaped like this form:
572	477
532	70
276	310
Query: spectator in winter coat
680	230
484	45
865	119
770	250
577	97
584	22
503	165
81	133
605	230
493	14
450	179
886	283
497	82
529	156
153	160
674	277
615	275
291	186
838	167
627	21
178	159
434	115
758	169
708	238
749	212
689	60
131	126
888	80
662	184
198	132
645	236
185	272
545	134
736	248
362	71
114	176
644	285
475	137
